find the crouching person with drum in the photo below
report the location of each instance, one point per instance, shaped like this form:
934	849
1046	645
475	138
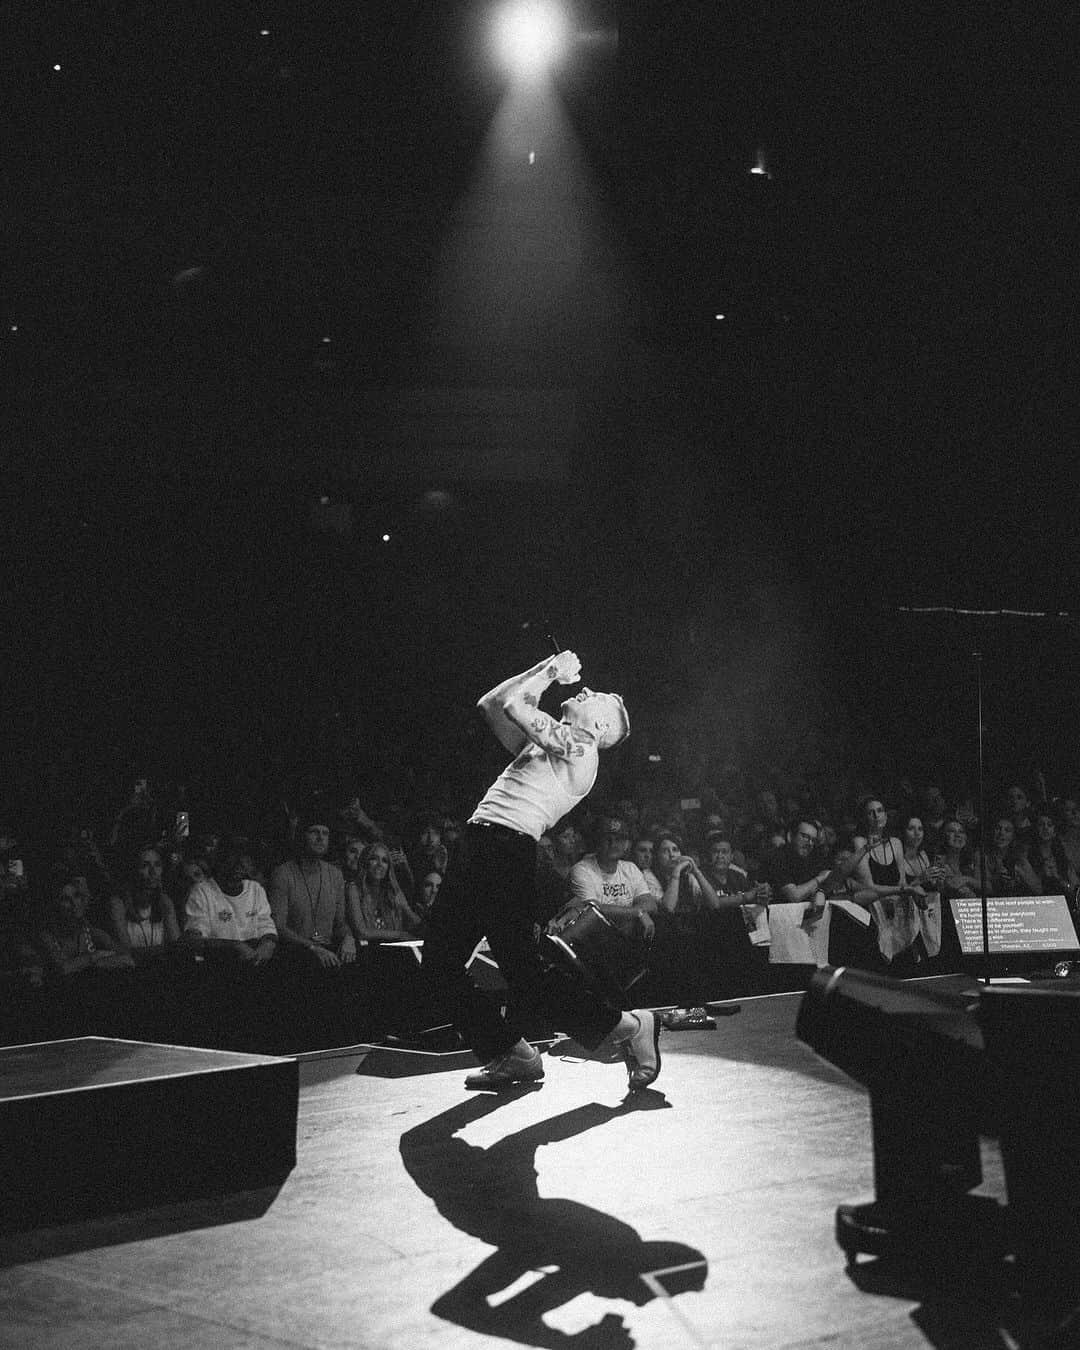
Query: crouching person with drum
615	886
609	920
491	889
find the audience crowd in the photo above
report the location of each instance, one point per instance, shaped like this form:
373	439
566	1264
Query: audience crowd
308	930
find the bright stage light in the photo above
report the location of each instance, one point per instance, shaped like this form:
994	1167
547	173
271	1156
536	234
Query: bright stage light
530	35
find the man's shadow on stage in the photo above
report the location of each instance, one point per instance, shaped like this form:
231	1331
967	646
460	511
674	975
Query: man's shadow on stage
491	1193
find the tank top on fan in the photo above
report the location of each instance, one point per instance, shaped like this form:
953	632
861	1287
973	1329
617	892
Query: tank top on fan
885	873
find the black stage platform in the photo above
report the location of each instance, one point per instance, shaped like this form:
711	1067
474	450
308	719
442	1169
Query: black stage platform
92	1126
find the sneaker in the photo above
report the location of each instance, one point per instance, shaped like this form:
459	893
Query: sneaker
642	1050
506	1070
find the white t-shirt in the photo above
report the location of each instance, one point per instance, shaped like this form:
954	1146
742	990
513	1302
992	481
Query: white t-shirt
528	796
588	881
236	918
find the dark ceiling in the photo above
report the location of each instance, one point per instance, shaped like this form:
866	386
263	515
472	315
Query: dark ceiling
191	206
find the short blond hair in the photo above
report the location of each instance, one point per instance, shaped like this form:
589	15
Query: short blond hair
616	727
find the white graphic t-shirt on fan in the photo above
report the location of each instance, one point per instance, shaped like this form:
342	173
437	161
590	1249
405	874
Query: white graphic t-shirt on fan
588	882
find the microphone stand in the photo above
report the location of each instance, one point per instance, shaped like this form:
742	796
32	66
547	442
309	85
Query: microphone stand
982	824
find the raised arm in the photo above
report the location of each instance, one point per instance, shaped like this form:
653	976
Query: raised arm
512	708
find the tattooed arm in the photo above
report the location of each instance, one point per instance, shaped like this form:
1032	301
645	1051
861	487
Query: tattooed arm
511	707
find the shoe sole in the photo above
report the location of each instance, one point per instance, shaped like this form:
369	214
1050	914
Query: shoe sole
503	1085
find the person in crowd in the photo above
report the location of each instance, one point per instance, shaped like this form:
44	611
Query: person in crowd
713	821
142	921
86	976
1048	858
379	914
80	854
14	882
641	855
755	841
626	808
228	923
320	987
956	867
956	861
142	918
71	944
554	767
729	880
227	917
377	908
967	812
683	949
430	854
739	932
451	838
555	860
828	838
24	1004
933	815
616	887
879	868
136	820
429	893
799	917
399	860
767	812
1008	871
352	850
916	868
684	886
880	886
175	835
188	872
253	862
905	804
907	923
307	901
205	845
353	822
1069	831
1020	811
17	922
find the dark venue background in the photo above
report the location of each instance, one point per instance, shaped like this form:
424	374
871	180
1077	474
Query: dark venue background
270	296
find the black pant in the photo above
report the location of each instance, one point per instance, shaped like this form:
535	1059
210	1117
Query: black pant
490	891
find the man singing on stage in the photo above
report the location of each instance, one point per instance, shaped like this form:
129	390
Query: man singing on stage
490	892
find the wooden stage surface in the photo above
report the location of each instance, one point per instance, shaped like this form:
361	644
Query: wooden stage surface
419	1215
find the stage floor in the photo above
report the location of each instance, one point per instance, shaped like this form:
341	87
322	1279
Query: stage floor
419	1215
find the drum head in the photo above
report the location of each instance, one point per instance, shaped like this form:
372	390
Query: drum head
589	947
